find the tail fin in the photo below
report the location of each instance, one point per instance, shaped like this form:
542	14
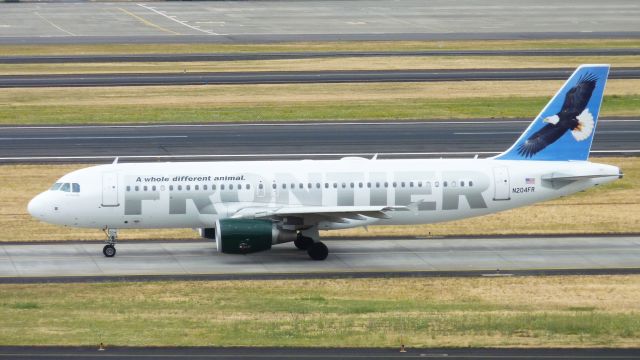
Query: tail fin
564	129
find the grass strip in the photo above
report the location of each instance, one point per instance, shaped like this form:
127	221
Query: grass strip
611	208
463	108
177	48
295	102
325	64
576	311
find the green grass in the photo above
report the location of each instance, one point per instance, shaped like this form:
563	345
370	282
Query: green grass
460	108
547	311
9	50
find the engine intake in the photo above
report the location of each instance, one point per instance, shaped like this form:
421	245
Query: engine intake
244	236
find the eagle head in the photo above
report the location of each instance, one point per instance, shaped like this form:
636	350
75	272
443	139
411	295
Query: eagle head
552	119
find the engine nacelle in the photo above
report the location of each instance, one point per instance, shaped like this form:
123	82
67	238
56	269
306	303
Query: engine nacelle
244	236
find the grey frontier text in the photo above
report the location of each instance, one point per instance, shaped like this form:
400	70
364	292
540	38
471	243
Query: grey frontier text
318	189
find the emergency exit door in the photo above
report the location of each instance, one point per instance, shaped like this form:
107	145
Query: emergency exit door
110	189
501	183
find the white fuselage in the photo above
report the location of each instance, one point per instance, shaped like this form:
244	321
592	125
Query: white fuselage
196	194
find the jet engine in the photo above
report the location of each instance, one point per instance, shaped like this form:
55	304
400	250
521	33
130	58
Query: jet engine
244	236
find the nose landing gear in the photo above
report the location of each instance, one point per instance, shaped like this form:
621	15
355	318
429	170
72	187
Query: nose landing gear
109	250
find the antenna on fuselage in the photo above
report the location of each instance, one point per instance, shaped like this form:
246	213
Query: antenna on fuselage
115	161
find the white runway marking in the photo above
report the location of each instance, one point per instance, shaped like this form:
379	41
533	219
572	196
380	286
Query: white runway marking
54	25
173	18
366	123
92	137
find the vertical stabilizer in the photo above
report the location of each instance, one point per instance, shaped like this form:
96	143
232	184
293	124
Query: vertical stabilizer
564	129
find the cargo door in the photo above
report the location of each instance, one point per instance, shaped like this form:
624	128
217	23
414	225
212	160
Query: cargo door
501	184
110	189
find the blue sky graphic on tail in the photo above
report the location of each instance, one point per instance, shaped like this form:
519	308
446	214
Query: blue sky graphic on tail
565	128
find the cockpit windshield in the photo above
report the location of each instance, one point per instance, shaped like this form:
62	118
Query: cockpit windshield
66	187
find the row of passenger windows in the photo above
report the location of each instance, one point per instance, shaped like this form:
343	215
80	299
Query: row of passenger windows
284	186
66	187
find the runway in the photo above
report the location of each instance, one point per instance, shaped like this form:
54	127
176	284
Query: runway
56	59
198	260
295	77
242	22
426	139
81	353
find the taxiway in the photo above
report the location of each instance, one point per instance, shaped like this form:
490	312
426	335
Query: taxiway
197	260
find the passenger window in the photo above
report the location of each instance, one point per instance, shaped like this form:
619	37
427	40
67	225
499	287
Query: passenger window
335	185
204	187
145	188
395	184
284	186
196	187
462	183
386	184
411	184
137	188
470	183
326	185
309	186
273	186
351	185
248	187
153	188
360	185
179	187
213	186
170	187
260	186
221	186
188	187
444	184
402	184
344	185
317	185
128	188
419	183
231	186
437	184
369	185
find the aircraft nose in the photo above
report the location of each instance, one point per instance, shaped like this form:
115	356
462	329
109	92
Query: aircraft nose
36	207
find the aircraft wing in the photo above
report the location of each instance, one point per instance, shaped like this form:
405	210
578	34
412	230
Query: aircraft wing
332	212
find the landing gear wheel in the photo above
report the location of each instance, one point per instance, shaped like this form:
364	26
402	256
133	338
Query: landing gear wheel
318	251
303	242
109	250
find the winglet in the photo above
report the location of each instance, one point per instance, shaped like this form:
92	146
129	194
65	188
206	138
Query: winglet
564	129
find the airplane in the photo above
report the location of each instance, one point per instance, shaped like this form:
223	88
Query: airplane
249	206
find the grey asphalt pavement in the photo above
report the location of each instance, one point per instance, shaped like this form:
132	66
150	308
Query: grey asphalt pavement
295	77
82	353
436	256
287	140
273	21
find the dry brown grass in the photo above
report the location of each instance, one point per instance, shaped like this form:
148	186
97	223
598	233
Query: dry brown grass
355	63
284	93
614	208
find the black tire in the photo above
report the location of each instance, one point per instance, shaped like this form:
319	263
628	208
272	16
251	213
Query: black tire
318	251
109	250
303	242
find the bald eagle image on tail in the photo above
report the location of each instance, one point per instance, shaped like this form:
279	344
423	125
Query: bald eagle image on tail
574	116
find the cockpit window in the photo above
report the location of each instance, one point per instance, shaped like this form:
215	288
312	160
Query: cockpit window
75	187
56	186
66	187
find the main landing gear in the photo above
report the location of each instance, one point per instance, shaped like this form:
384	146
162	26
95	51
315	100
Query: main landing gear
317	250
109	250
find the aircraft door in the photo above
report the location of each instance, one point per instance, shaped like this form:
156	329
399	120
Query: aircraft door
110	189
501	183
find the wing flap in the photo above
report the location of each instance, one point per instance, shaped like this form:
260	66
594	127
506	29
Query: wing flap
348	212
